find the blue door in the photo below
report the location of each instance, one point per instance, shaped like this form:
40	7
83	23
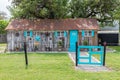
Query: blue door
73	40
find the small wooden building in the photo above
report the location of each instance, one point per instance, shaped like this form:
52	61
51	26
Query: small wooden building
51	34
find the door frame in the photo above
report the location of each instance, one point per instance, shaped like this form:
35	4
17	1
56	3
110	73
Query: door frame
70	48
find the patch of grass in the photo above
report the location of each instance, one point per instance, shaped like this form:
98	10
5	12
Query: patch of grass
52	67
117	48
3	44
113	60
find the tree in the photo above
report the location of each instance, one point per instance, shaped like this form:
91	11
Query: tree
39	8
3	25
100	9
2	15
116	16
54	9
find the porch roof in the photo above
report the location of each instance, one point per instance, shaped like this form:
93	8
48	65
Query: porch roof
53	24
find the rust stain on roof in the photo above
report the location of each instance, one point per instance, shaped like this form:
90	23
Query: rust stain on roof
53	24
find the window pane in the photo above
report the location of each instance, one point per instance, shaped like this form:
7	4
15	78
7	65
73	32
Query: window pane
90	32
58	33
62	33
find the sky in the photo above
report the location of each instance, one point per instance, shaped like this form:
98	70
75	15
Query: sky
3	6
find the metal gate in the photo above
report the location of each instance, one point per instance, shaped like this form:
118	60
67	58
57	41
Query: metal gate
90	51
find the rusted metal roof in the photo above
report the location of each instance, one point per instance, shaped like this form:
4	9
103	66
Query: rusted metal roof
53	24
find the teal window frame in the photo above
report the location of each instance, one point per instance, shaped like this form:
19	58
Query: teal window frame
83	33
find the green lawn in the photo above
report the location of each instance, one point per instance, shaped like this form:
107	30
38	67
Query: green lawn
2	46
117	48
52	67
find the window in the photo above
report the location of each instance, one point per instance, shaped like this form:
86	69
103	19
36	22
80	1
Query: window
87	37
88	33
60	34
28	33
60	38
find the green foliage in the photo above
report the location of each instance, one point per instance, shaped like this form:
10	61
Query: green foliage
55	9
116	13
60	43
39	8
3	25
100	9
116	48
85	42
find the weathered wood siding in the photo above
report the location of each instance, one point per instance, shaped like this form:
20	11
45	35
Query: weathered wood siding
46	43
3	38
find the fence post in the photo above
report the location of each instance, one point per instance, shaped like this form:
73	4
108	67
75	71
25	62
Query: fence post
104	56
76	59
25	51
